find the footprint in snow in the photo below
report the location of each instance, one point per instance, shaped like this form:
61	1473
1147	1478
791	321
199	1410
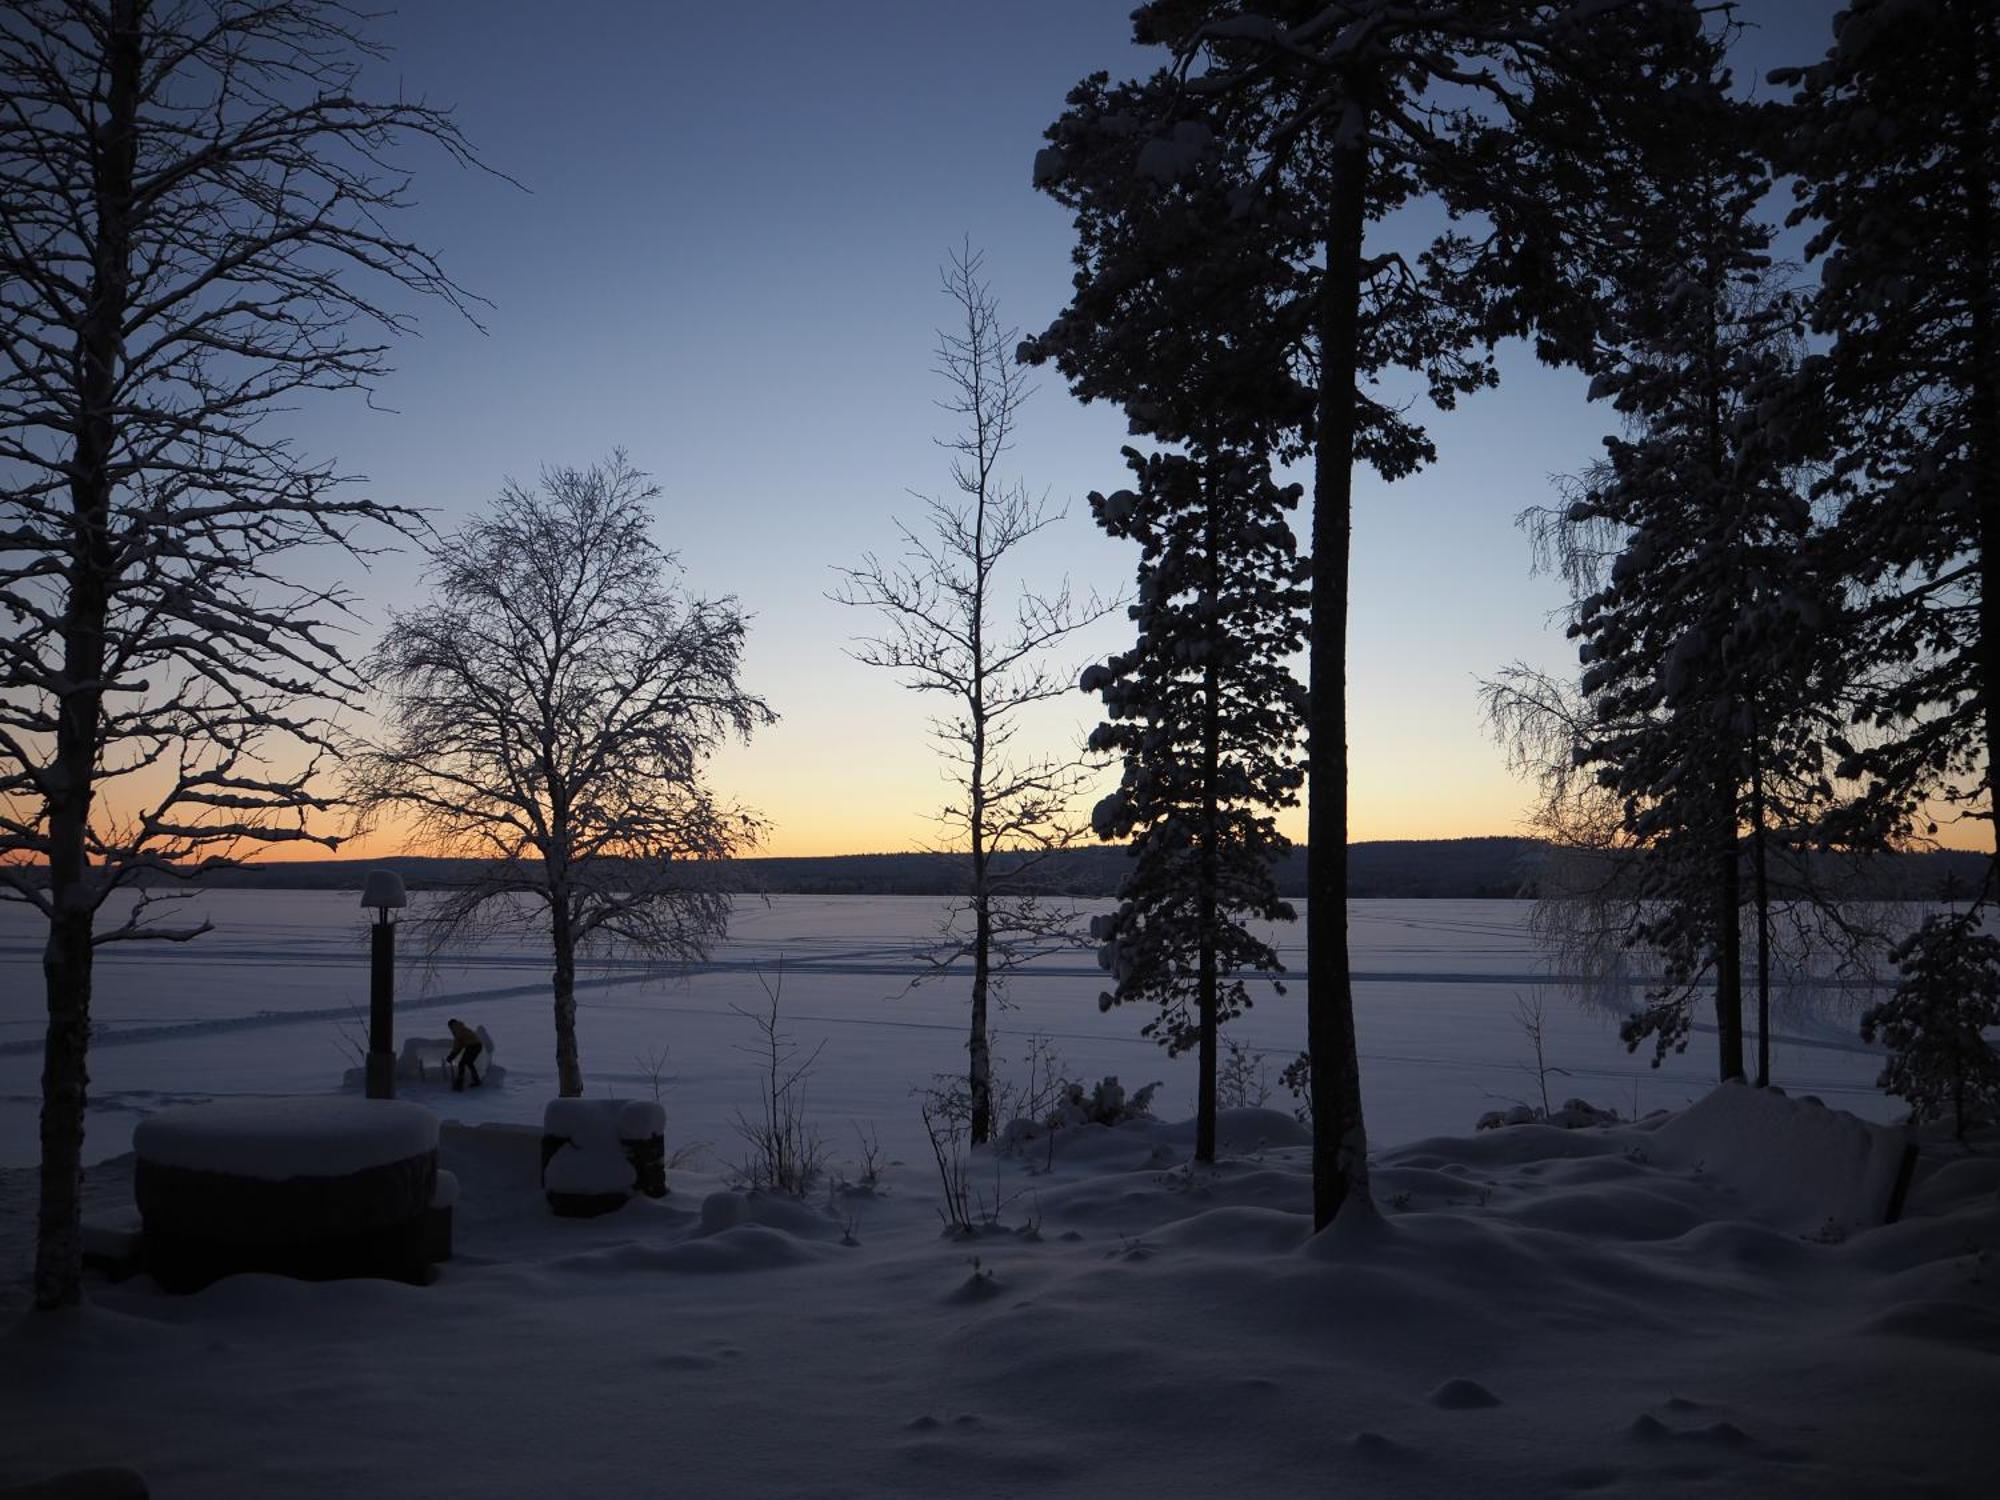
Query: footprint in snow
929	1423
685	1362
1375	1446
1593	1477
1651	1429
1462	1395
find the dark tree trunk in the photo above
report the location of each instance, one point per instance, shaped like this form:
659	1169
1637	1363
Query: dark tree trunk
1761	897
1205	893
562	936
978	1047
1340	1140
1984	340
1729	963
91	576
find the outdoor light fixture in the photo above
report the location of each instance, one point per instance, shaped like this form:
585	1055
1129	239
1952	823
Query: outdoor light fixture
383	890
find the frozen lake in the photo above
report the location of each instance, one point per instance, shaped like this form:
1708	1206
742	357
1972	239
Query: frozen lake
274	1001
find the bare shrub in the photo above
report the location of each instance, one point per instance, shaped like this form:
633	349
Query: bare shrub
1244	1081
787	1154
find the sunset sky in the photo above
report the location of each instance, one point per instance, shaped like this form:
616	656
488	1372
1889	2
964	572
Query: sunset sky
723	258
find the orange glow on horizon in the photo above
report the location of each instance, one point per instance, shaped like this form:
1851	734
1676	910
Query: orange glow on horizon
908	835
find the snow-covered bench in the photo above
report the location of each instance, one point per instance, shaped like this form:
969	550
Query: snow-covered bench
596	1153
423	1055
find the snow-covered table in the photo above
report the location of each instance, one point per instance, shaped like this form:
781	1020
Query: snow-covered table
317	1188
597	1152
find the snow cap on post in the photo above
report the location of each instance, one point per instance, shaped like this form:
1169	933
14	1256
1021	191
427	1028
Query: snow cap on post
382	890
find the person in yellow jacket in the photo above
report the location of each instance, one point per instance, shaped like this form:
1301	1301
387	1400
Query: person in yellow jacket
465	1049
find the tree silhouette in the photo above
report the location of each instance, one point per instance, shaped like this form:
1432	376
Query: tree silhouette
551	716
946	630
1206	713
1250	167
196	232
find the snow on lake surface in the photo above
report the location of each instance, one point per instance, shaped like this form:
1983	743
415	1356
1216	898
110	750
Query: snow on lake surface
274	1002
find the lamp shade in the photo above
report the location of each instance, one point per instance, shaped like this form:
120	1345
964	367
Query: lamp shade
383	888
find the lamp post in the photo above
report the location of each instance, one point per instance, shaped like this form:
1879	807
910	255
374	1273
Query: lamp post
383	890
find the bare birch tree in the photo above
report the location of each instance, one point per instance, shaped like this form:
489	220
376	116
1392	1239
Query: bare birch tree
195	231
551	716
947	631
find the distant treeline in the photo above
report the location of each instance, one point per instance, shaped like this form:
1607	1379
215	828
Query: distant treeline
1477	868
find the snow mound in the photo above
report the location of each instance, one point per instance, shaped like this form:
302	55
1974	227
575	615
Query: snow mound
1240	1231
1461	1394
1965	1325
745	1247
275	1140
721	1212
1623	1211
1791	1163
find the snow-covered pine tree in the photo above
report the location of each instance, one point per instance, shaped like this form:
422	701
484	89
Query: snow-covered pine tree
1304	126
1893	141
1705	636
1206	714
1935	1023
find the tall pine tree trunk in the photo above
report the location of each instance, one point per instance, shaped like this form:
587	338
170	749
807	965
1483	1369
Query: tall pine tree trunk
1729	965
1340	1140
1205	892
562	935
1761	898
1984	339
66	960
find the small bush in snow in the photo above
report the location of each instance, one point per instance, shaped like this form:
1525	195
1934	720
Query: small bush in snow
1244	1079
1934	1023
1106	1104
786	1151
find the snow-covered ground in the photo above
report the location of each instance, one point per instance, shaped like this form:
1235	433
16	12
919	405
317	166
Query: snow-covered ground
275	1000
1535	1312
1659	1308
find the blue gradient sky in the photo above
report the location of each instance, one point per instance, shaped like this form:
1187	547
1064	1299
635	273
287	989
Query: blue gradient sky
725	261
